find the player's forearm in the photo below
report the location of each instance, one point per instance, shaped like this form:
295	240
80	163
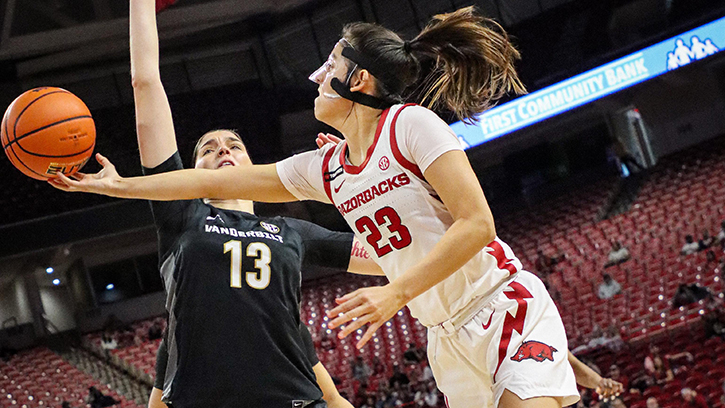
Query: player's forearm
464	239
585	376
258	183
361	262
144	42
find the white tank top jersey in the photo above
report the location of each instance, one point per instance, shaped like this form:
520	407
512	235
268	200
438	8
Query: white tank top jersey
394	212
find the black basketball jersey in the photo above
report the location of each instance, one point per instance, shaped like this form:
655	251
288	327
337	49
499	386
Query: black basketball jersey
233	292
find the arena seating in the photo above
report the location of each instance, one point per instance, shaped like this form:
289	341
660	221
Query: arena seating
38	378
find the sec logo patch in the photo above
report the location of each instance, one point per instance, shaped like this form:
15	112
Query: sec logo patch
269	227
384	163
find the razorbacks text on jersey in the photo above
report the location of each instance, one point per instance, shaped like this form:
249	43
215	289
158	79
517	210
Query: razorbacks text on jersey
395	212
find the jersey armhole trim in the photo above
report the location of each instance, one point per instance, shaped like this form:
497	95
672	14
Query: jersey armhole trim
326	173
410	166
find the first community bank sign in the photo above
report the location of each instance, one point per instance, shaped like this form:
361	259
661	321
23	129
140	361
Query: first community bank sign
648	63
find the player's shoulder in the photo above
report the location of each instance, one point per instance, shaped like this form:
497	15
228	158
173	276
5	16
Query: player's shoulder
416	111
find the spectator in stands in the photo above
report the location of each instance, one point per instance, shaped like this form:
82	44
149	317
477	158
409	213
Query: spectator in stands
609	287
412	354
617	255
545	264
327	342
690	246
721	235
360	370
96	399
657	367
706	241
65	404
108	343
688	294
714	318
398	377
652	403
155	331
710	258
690	398
369	403
431	398
615	403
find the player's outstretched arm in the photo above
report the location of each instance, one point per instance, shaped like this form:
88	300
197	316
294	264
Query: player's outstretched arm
361	262
154	123
257	182
453	179
329	391
588	378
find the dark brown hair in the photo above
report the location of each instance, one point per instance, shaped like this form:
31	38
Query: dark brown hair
198	142
461	61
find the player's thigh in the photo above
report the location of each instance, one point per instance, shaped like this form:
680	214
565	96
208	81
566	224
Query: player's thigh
511	400
155	399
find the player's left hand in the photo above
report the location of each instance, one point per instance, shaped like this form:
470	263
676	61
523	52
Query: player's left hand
372	306
609	388
326	138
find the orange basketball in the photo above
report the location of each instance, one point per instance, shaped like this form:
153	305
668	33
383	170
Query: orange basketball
47	131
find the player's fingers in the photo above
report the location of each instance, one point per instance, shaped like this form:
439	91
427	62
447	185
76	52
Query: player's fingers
345	298
353	326
58	184
372	328
340	312
66	180
103	161
344	317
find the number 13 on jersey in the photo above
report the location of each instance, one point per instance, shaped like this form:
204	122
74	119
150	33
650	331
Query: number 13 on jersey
258	279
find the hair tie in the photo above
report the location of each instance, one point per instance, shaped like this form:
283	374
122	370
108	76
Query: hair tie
407	46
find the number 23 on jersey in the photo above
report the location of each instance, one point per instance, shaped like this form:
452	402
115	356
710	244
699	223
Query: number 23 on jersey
262	255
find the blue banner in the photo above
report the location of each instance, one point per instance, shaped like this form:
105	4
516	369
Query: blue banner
648	63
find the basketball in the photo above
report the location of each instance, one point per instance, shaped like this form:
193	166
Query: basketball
46	131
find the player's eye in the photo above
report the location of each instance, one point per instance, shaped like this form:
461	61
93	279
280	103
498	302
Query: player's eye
237	147
206	151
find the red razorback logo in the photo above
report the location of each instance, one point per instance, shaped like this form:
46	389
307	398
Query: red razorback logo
534	350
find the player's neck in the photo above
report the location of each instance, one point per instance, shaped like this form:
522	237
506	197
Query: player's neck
359	131
234	205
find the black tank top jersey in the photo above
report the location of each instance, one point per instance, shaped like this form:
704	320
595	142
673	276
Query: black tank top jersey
233	293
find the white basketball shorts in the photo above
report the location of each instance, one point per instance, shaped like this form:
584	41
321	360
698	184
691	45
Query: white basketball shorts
516	341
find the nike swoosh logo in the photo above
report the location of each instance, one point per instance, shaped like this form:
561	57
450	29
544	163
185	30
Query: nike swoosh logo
337	189
485	326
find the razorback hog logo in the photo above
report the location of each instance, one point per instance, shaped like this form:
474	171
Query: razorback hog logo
536	351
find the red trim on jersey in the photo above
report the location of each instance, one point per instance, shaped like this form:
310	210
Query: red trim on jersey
502	262
511	322
412	167
349	168
325	173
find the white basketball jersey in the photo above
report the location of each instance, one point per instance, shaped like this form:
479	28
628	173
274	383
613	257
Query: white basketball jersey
396	214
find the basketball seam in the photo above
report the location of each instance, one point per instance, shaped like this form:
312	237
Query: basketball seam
43	128
15	125
25	165
59	156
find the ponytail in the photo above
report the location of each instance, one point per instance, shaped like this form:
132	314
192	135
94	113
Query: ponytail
470	60
461	62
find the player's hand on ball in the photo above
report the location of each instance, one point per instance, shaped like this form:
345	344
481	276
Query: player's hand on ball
372	306
609	388
326	138
100	183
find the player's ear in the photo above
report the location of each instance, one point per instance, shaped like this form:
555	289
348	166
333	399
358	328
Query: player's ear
362	81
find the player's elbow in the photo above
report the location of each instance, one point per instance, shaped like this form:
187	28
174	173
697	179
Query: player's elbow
141	81
485	230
